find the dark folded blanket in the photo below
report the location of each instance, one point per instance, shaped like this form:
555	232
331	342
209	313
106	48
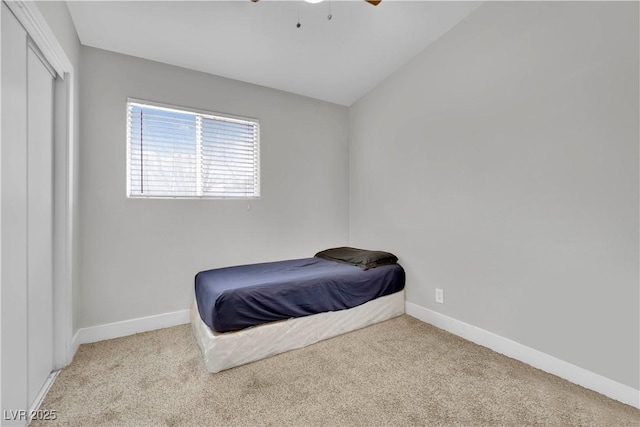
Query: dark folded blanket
359	257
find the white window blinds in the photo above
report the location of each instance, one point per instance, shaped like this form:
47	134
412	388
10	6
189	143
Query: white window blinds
178	153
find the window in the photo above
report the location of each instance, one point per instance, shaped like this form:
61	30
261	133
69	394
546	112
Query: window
177	153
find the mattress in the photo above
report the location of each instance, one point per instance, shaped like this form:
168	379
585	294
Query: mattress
234	298
227	350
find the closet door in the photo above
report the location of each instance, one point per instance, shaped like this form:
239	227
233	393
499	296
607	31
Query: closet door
13	166
39	221
26	218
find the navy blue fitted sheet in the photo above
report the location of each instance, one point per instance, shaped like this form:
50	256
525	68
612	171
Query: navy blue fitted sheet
234	298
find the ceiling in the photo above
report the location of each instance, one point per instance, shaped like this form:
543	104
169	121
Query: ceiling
337	60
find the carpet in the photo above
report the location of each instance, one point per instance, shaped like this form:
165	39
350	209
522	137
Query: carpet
401	372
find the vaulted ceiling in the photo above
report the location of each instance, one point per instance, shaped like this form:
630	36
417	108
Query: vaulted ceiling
336	60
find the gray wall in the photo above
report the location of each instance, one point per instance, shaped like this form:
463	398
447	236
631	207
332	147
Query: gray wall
139	256
501	164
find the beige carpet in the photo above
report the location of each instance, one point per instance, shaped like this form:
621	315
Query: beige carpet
400	372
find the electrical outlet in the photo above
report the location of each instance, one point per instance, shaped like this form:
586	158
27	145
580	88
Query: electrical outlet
439	296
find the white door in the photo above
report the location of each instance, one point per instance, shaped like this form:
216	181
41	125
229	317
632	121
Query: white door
13	167
39	221
26	218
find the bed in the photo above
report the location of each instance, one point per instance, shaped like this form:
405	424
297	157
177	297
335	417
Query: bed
245	313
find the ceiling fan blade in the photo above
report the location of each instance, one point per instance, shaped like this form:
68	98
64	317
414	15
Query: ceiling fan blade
373	2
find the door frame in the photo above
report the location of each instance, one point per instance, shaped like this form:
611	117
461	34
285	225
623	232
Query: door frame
64	179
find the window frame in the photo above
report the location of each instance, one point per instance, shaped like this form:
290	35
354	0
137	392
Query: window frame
183	109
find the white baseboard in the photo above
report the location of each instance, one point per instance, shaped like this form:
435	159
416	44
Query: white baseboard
528	355
128	327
